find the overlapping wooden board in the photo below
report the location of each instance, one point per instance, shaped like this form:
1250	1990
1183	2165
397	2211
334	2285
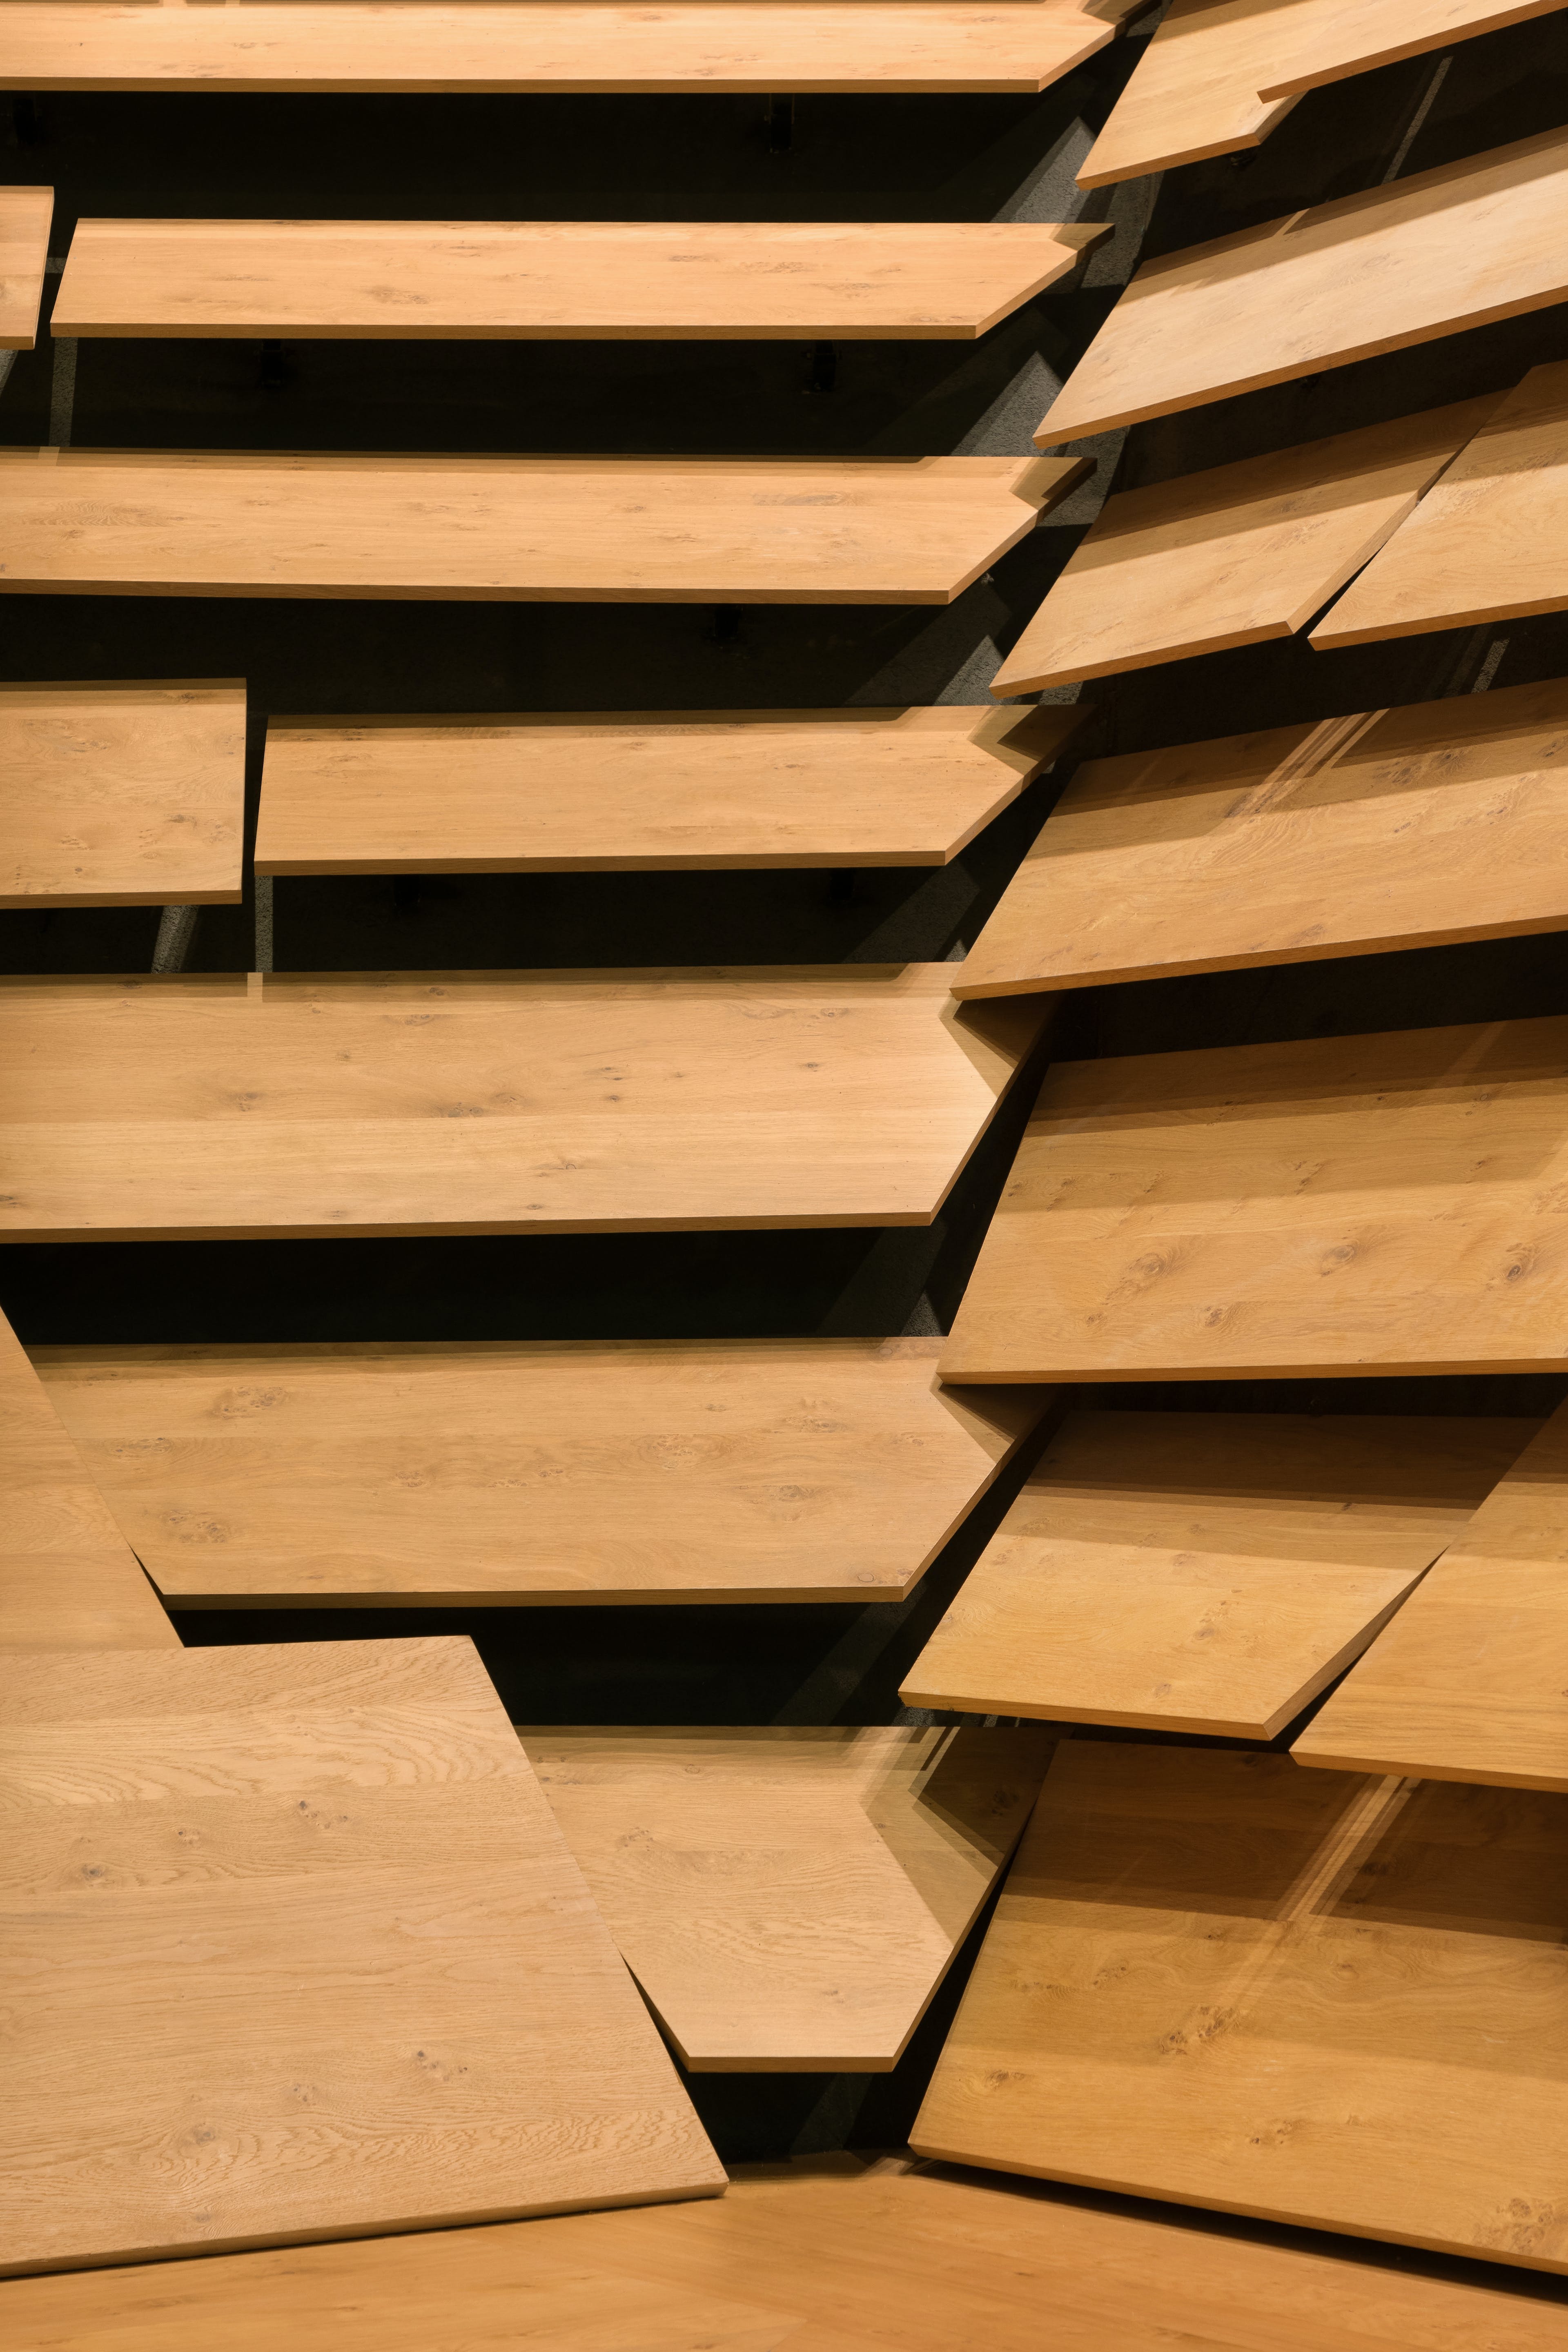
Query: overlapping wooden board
542	1471
296	1950
864	530
121	795
1495	544
1404	828
1444	249
1311	1996
68	1579
586	792
215	1105
25	217
1232	555
1471	1686
1383	1203
1198	1572
790	1900
410	280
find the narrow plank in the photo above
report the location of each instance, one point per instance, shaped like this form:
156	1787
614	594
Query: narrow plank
872	531
213	1106
1359	1205
1404	828
818	1470
25	217
790	1901
1309	1996
590	793
1201	1571
1234	555
1444	249
1470	1687
1492	547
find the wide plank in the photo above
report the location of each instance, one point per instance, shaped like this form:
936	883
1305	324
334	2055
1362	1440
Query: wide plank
217	1104
608	793
866	530
790	1900
1234	555
1311	1996
1197	1571
1454	247
1404	828
1354	1205
25	217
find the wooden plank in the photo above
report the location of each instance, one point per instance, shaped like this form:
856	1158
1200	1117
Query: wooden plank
1414	828
1234	555
1359	1205
871	530
25	217
1470	1686
1198	1572
789	1901
1446	250
214	1105
1492	547
123	795
820	1470
1309	1996
296	1950
68	1579
590	793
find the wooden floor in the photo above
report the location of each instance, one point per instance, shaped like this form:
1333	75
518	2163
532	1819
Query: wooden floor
25	217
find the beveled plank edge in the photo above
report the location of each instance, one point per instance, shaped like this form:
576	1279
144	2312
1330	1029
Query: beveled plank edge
1263	119
1311	1368
174	893
1418	1766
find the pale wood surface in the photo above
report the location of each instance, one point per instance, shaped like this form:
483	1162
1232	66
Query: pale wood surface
68	1579
545	1471
406	279
297	1951
587	792
1234	554
1403	828
1444	249
1311	1996
1198	1572
871	530
25	217
1390	1203
1495	544
121	795
1470	1685
790	1900
481	1102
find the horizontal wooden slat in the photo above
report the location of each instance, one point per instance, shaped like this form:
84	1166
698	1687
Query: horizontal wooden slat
25	217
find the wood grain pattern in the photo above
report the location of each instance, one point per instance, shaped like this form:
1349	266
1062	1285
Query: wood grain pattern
1309	1995
472	1102
296	1950
1234	555
820	1470
1472	1688
872	531
1426	256
1201	1571
789	1901
25	217
1370	1205
1404	828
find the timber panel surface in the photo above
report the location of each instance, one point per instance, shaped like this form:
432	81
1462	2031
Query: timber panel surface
1234	554
25	217
1404	828
1383	1204
1202	1571
1444	249
817	1470
790	1900
215	1106
877	530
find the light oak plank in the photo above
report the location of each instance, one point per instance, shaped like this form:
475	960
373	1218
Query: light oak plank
581	792
877	530
1412	827
213	1106
1199	1571
25	217
1359	1205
